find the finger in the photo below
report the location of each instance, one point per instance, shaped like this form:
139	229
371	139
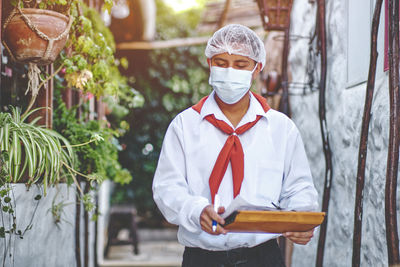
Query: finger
307	234
207	227
299	240
206	224
207	216
214	216
293	235
221	230
206	221
221	210
300	237
296	237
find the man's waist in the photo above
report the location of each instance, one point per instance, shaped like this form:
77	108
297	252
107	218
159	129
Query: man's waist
222	242
240	251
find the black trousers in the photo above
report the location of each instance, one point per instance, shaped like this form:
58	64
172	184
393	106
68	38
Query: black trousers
266	254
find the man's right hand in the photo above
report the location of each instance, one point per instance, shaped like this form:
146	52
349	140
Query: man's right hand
208	215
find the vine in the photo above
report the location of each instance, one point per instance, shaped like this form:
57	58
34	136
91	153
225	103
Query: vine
9	225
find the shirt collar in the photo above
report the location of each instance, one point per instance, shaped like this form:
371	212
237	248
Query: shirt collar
210	106
255	109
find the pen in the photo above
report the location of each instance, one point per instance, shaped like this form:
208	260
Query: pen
216	206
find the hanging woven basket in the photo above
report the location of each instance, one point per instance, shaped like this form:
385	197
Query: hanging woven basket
275	14
35	35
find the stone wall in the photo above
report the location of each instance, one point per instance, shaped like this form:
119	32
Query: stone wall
344	114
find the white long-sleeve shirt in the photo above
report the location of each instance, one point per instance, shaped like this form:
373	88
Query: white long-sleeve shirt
275	170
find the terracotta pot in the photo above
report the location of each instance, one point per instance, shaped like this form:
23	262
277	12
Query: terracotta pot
26	46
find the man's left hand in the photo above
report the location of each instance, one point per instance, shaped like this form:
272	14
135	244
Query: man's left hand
301	238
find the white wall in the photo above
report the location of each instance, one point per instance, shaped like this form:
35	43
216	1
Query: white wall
345	106
47	243
102	223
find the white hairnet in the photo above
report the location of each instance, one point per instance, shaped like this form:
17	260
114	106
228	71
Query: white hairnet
236	39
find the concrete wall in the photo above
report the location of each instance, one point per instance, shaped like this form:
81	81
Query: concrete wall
102	223
345	106
48	244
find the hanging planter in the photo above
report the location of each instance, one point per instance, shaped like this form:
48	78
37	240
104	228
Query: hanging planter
275	14
35	35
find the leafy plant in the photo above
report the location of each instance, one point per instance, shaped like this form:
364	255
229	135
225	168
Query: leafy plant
87	62
4	173
7	204
61	6
8	213
35	152
96	158
57	210
89	59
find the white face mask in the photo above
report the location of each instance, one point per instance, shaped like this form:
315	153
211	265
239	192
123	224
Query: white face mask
230	84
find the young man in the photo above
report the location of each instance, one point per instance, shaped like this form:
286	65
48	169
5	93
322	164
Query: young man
231	143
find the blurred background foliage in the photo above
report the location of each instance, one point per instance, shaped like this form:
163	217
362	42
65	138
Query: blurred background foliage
90	51
95	142
170	81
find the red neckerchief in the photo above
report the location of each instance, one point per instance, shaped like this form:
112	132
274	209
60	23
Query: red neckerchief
231	151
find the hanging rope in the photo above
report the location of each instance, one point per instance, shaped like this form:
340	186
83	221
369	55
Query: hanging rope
33	84
35	80
32	26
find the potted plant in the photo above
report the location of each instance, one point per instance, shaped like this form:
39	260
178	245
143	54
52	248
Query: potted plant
36	30
35	153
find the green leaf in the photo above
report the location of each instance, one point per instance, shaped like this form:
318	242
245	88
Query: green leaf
124	62
6	136
3	192
34	154
108	4
17	148
68	62
39	157
2	141
6	155
22	172
16	113
11	165
23	118
35	120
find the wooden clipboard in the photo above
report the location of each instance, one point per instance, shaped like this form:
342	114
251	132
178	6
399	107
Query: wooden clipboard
273	221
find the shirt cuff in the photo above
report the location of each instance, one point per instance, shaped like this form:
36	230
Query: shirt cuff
193	214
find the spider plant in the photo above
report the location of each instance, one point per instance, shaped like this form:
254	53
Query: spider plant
36	154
